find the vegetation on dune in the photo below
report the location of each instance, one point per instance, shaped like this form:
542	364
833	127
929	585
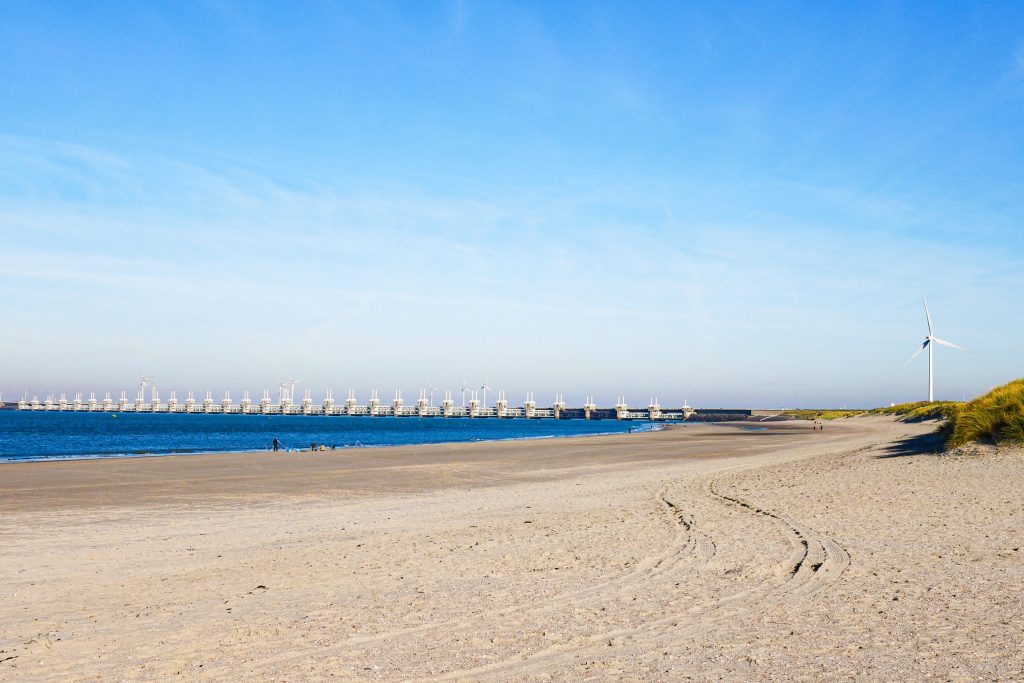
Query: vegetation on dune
998	417
821	414
920	410
907	412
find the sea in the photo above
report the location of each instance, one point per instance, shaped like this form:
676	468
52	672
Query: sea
28	436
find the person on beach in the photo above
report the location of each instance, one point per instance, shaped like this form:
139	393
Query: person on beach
277	444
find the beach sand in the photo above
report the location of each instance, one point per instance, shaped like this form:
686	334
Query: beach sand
712	551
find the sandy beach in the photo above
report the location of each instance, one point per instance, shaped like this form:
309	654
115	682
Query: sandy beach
708	552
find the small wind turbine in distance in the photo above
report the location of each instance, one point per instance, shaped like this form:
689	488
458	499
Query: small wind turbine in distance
485	388
929	343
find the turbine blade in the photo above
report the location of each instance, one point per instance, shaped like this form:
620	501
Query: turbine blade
923	347
928	315
949	344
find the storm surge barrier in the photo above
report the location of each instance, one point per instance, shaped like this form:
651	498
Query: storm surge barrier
423	407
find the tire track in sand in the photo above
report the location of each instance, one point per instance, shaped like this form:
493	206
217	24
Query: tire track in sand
815	561
686	547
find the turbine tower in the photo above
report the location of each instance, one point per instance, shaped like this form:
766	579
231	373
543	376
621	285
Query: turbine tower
929	343
485	388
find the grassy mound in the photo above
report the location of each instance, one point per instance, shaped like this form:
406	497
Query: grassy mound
920	410
908	412
998	417
821	414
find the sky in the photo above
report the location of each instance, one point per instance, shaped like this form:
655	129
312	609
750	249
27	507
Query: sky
733	205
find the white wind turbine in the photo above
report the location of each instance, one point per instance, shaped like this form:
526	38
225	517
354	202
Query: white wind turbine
485	388
286	390
143	383
929	343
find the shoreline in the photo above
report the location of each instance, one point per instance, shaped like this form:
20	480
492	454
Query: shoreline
10	460
217	478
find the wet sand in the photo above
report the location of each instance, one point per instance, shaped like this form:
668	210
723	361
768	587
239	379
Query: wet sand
212	479
705	552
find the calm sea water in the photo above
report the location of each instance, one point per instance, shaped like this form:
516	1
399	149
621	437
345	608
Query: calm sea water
53	436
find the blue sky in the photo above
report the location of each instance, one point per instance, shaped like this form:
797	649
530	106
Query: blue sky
732	205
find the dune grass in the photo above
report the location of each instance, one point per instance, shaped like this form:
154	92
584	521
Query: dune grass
822	414
907	412
996	417
920	410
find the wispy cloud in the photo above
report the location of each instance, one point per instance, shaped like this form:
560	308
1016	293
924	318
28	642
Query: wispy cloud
278	275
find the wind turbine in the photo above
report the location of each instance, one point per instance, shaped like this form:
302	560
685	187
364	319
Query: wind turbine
929	343
143	383
464	390
286	390
485	388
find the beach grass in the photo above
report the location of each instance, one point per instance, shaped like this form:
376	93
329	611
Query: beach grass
997	417
822	413
918	411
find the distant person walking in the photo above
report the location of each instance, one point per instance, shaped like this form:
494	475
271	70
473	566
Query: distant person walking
277	444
